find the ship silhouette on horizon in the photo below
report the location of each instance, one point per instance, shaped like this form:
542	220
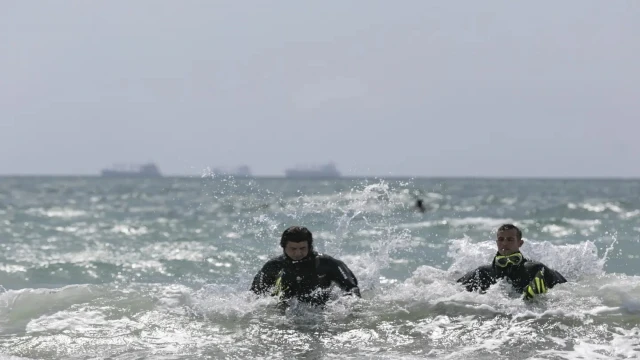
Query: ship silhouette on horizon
325	171
148	170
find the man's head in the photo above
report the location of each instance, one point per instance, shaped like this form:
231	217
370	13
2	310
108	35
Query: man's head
297	242
509	239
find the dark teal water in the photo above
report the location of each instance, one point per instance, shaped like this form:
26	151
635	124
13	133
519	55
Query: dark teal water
108	268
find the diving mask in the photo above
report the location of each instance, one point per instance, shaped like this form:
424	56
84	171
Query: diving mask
504	260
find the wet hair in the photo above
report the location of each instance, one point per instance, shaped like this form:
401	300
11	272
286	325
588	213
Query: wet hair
507	227
297	234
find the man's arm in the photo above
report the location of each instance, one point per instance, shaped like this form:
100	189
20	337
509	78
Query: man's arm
552	277
545	278
266	278
479	279
343	276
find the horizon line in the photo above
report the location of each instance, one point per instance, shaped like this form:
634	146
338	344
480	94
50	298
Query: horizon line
344	177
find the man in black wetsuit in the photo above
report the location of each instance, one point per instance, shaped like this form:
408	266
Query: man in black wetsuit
302	273
529	277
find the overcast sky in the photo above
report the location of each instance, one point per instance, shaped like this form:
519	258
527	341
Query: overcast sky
422	88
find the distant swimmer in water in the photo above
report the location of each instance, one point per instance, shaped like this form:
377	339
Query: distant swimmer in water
302	273
529	277
420	205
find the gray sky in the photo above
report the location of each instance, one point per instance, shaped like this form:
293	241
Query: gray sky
422	88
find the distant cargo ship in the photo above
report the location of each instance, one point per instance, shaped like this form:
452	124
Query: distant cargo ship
142	171
327	171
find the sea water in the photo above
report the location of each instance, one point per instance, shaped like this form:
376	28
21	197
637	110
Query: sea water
94	268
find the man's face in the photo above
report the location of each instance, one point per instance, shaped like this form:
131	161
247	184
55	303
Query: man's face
297	250
508	242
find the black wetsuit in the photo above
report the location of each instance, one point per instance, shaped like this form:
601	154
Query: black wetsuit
519	275
309	280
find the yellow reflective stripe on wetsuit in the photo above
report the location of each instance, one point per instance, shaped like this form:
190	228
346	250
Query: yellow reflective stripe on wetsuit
536	286
540	285
530	291
279	289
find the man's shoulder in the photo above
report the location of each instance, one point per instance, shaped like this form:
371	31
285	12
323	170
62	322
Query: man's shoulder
329	263
322	256
534	265
326	259
479	271
478	279
483	269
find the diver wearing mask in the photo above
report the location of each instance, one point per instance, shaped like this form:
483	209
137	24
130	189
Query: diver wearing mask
531	278
302	273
